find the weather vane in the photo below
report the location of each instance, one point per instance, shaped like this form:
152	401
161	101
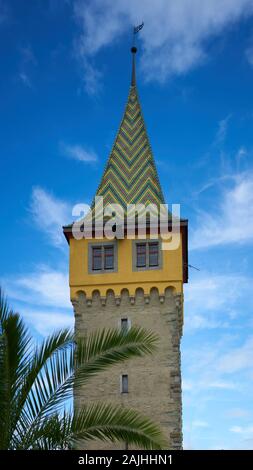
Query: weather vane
136	29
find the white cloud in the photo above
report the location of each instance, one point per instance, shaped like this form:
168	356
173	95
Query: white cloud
25	79
208	381
27	55
196	322
249	54
223	385
42	298
187	385
242	153
231	221
47	321
237	359
78	152
43	286
237	413
27	63
222	129
204	293
242	430
174	38
210	302
50	214
200	424
209	367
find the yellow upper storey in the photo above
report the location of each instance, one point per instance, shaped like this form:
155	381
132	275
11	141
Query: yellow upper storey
168	274
130	177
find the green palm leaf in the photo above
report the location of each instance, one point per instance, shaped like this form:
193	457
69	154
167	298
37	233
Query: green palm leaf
107	347
115	423
35	384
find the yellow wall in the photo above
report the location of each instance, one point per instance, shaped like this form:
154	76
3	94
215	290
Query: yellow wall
170	275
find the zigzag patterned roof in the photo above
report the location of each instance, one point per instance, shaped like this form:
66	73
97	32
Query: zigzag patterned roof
130	175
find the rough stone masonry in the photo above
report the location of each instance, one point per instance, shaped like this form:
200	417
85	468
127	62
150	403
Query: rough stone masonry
155	380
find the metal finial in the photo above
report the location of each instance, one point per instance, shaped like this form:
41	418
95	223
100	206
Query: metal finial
133	80
136	29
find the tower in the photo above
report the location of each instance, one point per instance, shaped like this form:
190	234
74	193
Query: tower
133	281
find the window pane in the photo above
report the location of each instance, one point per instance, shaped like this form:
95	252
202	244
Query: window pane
124	384
109	257
97	258
153	254
141	255
124	324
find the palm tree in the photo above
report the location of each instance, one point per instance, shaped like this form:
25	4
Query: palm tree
37	381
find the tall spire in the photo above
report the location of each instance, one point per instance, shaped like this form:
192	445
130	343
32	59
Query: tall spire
130	175
133	81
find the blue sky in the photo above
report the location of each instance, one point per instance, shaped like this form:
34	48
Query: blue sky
65	75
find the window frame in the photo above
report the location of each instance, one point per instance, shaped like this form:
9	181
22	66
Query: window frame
103	246
138	245
100	256
148	254
122	391
128	324
148	241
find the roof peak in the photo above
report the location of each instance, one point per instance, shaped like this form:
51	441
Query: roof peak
130	175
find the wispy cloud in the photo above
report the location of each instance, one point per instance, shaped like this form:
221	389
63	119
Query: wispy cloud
200	424
206	382
206	308
4	12
47	321
222	385
78	152
220	365
41	296
231	220
247	430
241	155
187	385
237	413
237	359
43	286
222	130
249	53
27	55
169	45
27	62
49	214
25	79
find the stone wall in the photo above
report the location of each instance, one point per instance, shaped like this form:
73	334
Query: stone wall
155	380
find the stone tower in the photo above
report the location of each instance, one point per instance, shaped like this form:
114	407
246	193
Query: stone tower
133	281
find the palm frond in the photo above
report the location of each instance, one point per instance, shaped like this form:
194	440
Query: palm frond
4	309
35	383
107	422
53	346
74	366
15	343
104	422
102	349
45	373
